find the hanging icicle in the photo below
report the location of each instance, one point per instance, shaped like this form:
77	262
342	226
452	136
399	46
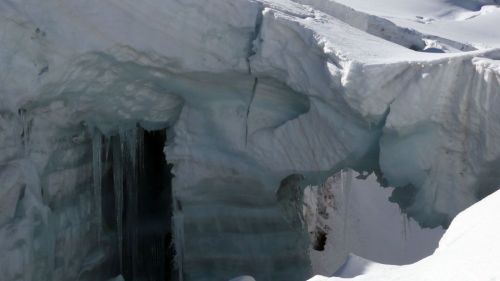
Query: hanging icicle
128	138
108	150
140	149
118	191
178	234
97	178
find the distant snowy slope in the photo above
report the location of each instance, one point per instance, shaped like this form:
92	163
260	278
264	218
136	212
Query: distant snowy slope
469	250
472	22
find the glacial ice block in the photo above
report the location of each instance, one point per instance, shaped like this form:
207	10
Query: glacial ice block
437	110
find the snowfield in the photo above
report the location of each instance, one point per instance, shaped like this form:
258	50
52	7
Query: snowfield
470	22
260	100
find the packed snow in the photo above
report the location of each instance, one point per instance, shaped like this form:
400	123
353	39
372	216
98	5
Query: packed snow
261	100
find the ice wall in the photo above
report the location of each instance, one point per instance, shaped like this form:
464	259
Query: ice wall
24	221
252	92
350	214
468	250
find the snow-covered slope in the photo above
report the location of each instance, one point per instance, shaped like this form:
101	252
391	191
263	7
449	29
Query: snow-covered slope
471	22
469	250
260	99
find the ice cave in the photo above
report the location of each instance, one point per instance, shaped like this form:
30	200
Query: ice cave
249	140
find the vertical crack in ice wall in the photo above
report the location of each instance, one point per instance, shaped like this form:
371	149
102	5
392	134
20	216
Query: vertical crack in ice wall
252	47
254	89
97	178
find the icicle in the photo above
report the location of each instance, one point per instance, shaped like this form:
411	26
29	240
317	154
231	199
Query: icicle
118	190
107	149
345	181
178	235
140	147
129	138
97	176
405	226
129	142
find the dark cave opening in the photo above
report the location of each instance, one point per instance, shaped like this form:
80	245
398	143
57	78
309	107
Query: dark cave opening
320	240
142	177
154	212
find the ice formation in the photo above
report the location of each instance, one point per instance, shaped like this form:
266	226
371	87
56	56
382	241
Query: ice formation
469	250
259	99
348	216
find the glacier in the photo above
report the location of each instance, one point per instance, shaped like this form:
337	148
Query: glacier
262	102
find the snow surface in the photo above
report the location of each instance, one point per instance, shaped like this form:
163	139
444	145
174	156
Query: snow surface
472	22
357	217
256	96
469	250
354	266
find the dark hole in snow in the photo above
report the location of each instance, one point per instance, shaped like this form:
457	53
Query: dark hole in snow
433	50
147	250
320	240
415	48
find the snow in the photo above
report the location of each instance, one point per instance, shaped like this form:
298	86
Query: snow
470	22
469	250
377	231
252	93
355	266
23	221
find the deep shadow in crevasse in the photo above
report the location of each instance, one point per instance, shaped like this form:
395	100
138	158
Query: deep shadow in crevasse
147	252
